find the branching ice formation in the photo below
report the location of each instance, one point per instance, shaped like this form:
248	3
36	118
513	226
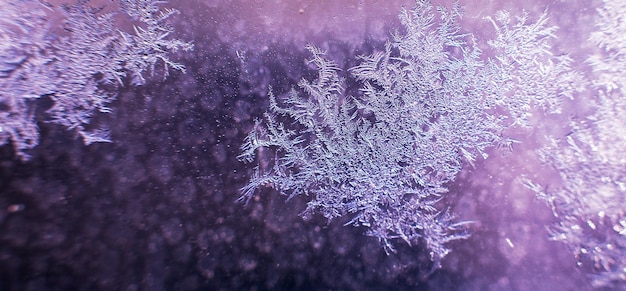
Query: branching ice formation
429	104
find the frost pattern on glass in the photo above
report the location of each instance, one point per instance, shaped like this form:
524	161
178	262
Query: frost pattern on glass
79	68
590	204
428	105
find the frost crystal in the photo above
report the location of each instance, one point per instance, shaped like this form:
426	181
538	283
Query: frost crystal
78	68
590	205
428	105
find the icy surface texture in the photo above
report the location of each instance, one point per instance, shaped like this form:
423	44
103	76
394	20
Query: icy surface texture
428	105
78	66
589	205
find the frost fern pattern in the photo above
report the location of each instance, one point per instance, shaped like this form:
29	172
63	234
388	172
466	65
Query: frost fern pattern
589	204
427	106
80	69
